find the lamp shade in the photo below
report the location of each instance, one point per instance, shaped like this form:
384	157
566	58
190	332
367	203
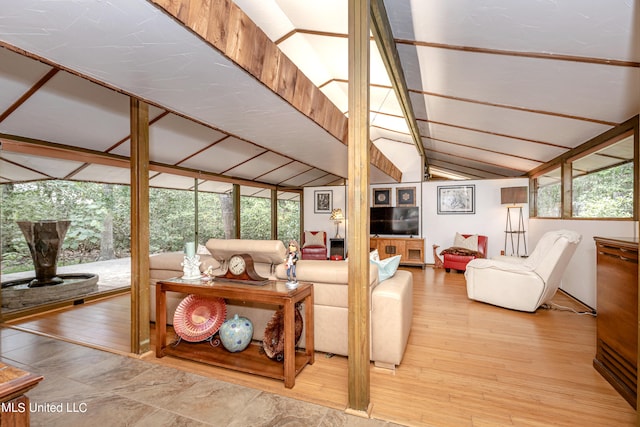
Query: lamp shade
336	215
514	195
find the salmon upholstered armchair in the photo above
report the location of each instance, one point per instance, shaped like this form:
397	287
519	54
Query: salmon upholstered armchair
314	245
523	283
466	247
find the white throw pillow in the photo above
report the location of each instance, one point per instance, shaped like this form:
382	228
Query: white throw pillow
470	242
374	255
313	239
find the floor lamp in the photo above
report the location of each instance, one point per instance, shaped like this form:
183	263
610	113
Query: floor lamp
514	197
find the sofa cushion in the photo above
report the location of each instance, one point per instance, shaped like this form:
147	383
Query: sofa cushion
314	238
470	242
330	279
387	267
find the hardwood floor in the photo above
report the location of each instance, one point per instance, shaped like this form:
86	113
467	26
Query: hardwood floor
466	364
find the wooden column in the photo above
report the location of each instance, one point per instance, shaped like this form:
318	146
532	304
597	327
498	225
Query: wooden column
358	209
139	227
236	210
274	214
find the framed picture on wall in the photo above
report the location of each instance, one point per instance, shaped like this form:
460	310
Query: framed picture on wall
406	196
457	199
381	197
322	201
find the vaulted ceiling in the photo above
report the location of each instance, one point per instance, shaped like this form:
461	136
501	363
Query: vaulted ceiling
256	92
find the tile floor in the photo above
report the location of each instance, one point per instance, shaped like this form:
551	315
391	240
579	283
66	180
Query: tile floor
98	388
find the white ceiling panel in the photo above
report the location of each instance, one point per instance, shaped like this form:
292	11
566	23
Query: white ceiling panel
562	87
224	155
72	111
18	75
15	172
101	173
54	168
516	123
259	166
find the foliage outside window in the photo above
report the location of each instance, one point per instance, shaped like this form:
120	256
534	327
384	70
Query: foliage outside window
548	200
604	194
255	218
288	220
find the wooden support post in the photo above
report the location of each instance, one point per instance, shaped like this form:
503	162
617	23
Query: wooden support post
358	209
236	210
139	227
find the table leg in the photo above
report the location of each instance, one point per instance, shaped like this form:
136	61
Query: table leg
308	325
161	320
289	345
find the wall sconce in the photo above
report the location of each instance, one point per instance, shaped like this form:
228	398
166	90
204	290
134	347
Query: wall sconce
337	216
514	196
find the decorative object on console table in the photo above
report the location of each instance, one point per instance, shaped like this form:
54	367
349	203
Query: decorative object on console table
322	201
198	318
617	320
236	333
406	196
240	268
456	199
336	250
191	263
381	197
337	217
273	341
514	196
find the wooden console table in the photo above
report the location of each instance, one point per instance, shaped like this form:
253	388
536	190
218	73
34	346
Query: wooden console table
249	360
14	383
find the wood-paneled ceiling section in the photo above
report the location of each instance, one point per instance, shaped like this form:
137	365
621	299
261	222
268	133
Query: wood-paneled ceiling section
208	116
498	88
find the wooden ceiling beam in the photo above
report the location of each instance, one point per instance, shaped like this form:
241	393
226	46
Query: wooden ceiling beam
383	36
229	30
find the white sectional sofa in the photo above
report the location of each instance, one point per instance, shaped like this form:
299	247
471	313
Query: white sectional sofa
391	308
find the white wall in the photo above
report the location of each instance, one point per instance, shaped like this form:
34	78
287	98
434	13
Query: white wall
580	277
489	219
320	222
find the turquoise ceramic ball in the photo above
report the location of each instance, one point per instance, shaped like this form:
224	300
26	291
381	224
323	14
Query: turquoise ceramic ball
236	333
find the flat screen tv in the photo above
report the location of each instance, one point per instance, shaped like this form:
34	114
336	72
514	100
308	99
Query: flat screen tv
399	220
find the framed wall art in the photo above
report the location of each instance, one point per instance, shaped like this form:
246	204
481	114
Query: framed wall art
406	196
322	201
381	197
457	199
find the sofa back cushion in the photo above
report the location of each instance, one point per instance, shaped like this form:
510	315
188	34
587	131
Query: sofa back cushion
329	278
262	251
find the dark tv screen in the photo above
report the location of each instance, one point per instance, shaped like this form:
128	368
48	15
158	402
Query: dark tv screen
398	220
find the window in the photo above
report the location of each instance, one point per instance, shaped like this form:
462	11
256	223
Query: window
602	182
595	180
548	194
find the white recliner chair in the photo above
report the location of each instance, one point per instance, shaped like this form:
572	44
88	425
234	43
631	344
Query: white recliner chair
523	283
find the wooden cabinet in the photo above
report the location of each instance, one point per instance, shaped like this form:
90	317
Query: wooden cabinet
410	249
617	319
